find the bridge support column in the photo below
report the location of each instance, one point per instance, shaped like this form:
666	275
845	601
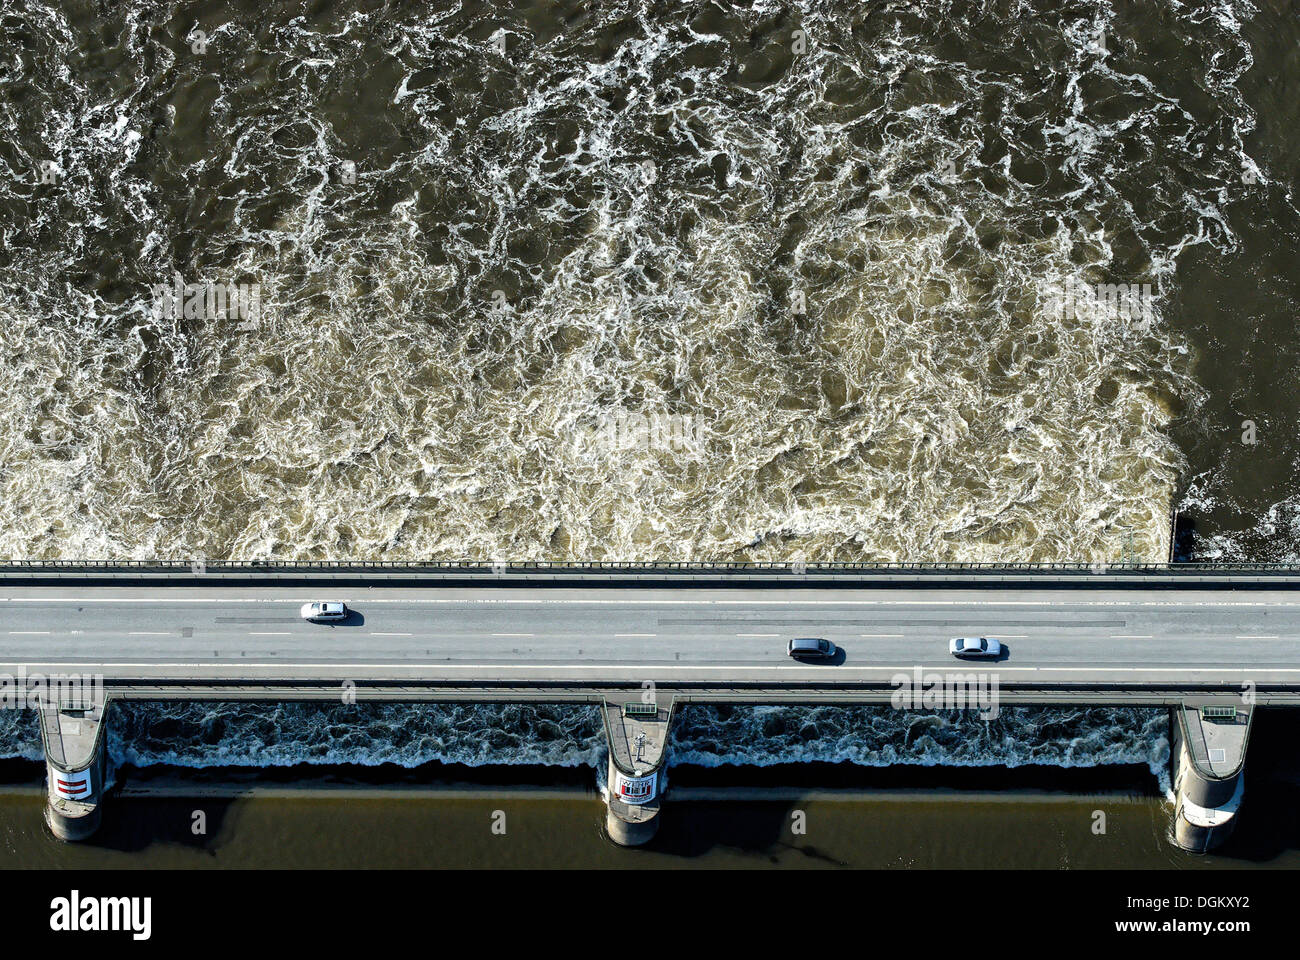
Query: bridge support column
637	734
1209	738
73	735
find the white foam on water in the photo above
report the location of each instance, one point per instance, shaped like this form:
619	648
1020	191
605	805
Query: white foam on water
221	734
276	735
927	406
882	737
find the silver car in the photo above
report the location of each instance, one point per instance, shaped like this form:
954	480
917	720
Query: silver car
326	611
975	647
810	648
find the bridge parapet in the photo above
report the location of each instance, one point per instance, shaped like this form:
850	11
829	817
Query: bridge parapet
621	573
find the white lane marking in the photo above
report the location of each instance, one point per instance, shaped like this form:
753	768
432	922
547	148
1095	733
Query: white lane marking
1176	669
653	602
1011	636
634	634
664	667
828	603
870	635
512	634
146	633
751	635
277	634
1273	637
129	600
1130	636
29	633
378	634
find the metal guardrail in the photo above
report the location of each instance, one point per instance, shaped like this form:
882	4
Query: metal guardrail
681	694
1209	712
797	567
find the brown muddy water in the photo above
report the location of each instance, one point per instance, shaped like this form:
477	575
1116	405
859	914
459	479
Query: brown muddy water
838	816
728	828
489	237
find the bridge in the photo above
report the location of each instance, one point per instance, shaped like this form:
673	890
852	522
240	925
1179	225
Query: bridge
1208	642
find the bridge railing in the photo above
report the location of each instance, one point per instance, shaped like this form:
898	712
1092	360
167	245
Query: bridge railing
699	566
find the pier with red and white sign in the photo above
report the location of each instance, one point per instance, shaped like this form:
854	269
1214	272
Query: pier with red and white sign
637	732
72	730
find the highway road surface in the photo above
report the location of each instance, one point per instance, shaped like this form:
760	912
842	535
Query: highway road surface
609	636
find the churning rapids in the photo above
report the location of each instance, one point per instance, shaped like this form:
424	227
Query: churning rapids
820	238
244	734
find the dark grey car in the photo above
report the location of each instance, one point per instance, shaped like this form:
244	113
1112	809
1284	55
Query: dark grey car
810	648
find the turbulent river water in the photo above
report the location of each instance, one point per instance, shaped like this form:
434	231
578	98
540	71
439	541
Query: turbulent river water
648	280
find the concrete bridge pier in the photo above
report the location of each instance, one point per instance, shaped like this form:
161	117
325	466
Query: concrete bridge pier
637	733
1209	738
72	732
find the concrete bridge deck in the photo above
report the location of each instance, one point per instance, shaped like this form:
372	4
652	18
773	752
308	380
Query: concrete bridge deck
642	641
1096	640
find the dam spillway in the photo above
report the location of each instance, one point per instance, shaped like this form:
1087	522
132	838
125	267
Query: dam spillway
667	637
